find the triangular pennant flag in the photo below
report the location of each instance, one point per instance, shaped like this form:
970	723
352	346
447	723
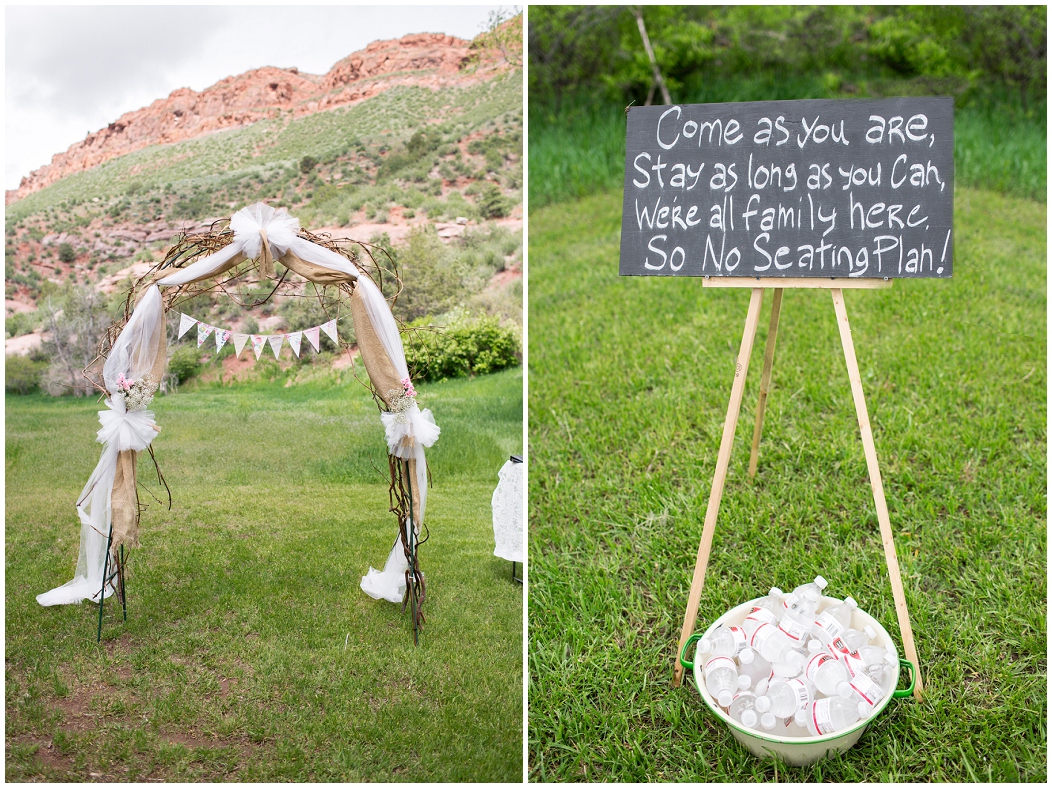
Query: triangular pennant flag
330	329
258	343
294	341
239	343
275	343
185	324
222	335
313	336
203	330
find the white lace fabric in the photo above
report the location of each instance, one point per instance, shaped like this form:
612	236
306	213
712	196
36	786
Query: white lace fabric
507	513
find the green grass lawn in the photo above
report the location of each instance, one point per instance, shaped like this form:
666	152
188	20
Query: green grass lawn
250	653
629	383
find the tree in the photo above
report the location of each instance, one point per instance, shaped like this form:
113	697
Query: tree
66	252
77	320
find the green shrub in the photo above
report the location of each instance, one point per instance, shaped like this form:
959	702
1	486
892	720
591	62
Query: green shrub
492	203
22	374
66	253
185	363
464	347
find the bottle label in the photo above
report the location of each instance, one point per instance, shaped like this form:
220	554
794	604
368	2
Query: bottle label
716	663
740	639
855	665
757	639
761	615
796	630
803	695
838	647
833	628
816	662
869	690
822	715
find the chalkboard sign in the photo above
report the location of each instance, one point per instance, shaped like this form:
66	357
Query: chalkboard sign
817	188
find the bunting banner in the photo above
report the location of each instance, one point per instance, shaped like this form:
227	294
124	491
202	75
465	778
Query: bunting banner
294	342
185	324
259	341
203	330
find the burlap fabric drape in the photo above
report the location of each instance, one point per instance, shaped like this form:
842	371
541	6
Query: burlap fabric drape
124	499
381	371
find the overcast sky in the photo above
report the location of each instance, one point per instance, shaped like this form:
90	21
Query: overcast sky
71	70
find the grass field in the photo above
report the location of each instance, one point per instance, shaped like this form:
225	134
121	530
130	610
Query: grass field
250	653
629	382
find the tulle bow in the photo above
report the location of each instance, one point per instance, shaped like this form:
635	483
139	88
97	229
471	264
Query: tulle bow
124	429
258	224
406	429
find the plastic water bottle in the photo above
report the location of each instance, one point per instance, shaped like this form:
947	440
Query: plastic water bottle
856	639
864	690
786	670
807	596
753	665
827	673
721	679
833	622
880	664
796	624
743	709
725	642
765	610
784	698
829	715
774	645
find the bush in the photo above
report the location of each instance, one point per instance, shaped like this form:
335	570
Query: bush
464	347
308	163
22	374
185	363
66	253
492	204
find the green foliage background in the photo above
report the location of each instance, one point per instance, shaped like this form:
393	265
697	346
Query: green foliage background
587	63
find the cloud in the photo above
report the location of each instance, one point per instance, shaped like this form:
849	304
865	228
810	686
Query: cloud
73	69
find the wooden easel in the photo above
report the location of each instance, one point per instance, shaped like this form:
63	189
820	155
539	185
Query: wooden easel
836	288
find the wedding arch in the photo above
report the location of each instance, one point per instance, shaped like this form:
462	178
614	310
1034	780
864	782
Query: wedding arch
135	359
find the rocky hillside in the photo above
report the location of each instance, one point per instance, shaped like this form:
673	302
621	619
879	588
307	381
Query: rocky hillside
430	60
415	144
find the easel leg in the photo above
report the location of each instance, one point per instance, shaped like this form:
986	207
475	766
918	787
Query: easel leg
878	486
765	380
722	461
120	581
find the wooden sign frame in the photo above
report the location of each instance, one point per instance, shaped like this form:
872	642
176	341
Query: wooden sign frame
836	288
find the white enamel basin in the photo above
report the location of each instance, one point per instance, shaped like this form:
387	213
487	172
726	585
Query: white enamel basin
792	749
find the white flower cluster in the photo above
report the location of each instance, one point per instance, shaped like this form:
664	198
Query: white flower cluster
138	394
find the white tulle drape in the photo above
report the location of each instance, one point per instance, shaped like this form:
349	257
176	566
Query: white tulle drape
132	355
249	225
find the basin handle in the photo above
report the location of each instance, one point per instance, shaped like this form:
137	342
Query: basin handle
683	654
905	693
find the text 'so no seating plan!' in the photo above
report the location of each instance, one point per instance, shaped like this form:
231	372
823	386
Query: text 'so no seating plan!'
815	188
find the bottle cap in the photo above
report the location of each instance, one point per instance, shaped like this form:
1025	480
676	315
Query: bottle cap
763	704
794	659
767	721
776	592
761	687
864	709
749	718
870	631
891	659
851	603
744	682
724	698
747	657
813	646
800	718
704	646
843	689
821	582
